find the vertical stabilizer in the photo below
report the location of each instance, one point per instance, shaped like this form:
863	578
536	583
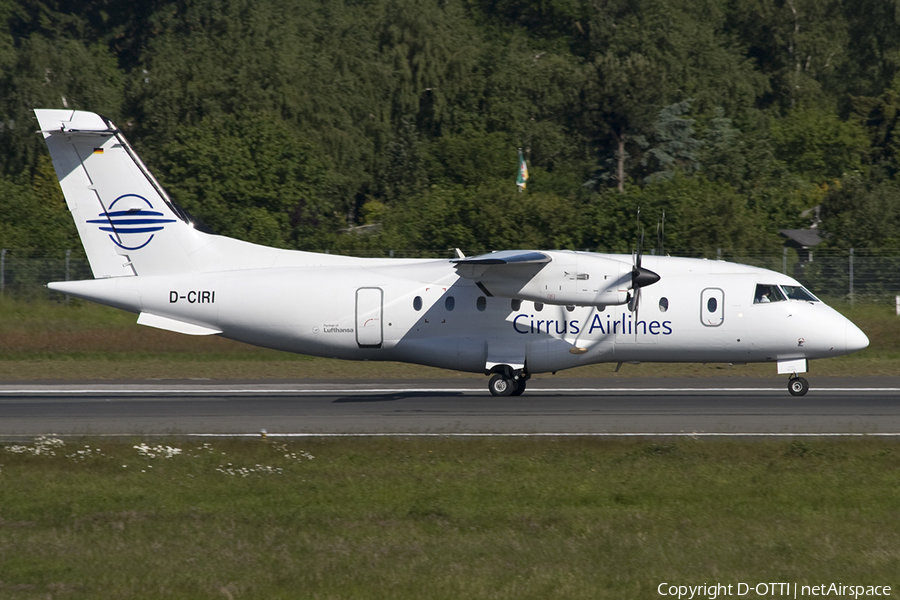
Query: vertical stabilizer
127	223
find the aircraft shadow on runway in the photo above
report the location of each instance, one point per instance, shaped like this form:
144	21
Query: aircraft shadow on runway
394	397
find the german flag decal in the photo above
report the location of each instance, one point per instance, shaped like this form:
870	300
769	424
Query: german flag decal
98	150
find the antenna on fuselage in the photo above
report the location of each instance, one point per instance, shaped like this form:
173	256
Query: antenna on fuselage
661	235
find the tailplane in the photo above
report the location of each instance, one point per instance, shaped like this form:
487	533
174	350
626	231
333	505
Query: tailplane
127	223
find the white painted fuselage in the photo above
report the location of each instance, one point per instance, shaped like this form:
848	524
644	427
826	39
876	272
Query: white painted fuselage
421	311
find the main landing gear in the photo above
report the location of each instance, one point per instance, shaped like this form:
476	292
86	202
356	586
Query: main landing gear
508	383
798	386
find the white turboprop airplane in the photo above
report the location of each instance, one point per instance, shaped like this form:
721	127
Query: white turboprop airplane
508	314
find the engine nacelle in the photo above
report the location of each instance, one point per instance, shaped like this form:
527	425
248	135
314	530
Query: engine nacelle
566	279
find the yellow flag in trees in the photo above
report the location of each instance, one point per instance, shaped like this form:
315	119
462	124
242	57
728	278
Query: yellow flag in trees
523	172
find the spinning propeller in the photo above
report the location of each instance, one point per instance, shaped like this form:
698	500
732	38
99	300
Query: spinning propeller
640	277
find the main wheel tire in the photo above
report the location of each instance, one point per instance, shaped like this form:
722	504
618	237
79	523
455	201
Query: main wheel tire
798	386
520	387
502	386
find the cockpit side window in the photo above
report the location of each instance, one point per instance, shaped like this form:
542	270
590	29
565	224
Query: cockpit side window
767	293
798	292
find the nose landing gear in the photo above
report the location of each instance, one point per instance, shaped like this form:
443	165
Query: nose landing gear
798	386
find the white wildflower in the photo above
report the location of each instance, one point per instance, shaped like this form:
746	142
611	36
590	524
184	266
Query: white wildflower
157	451
43	446
299	456
248	471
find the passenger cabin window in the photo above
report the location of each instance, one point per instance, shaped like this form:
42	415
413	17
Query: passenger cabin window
417	303
539	306
449	303
798	292
481	303
515	305
767	293
663	304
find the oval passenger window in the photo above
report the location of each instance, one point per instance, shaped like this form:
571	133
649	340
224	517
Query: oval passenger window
449	303
515	304
663	304
481	303
539	306
711	305
417	303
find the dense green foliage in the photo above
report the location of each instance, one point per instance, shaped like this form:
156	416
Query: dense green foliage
290	122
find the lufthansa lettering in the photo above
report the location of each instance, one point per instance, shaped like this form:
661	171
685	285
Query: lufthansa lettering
527	324
194	297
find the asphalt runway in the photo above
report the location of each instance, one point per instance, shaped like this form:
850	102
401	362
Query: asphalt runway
452	407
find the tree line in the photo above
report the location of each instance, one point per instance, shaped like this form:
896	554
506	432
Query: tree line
297	123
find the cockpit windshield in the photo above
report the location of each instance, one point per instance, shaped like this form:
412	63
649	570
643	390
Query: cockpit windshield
797	292
768	293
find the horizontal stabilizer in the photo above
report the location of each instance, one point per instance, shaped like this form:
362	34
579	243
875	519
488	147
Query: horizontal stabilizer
73	121
175	325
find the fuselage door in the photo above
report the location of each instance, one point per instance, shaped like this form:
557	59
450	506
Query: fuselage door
712	307
369	330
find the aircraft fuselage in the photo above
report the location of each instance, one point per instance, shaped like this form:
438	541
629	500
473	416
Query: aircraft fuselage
423	312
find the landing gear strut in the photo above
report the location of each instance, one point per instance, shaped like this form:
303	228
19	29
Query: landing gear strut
507	384
798	386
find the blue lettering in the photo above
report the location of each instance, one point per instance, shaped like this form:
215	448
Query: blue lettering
539	326
565	328
597	323
515	324
639	324
574	326
666	329
654	327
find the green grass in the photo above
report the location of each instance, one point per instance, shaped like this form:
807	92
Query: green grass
398	518
81	340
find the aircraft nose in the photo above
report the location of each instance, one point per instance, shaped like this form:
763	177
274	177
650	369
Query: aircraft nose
855	338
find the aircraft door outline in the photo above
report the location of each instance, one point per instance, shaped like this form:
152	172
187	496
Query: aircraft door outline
369	317
712	307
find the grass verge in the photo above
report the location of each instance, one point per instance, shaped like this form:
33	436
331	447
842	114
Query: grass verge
440	518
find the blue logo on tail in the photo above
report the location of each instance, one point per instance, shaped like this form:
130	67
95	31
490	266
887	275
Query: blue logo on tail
131	221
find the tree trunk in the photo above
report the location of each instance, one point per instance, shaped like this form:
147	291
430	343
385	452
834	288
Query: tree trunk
620	158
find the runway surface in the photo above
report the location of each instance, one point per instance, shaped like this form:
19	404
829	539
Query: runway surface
550	406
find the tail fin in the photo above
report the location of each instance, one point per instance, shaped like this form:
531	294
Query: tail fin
127	223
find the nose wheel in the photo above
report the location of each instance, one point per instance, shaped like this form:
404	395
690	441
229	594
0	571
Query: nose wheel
798	386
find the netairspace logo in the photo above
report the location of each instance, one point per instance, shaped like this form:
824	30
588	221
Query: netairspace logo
777	589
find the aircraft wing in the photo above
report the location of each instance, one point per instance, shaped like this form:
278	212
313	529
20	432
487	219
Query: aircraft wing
506	257
505	273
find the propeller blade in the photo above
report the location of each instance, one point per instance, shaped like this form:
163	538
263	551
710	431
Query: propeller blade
640	276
